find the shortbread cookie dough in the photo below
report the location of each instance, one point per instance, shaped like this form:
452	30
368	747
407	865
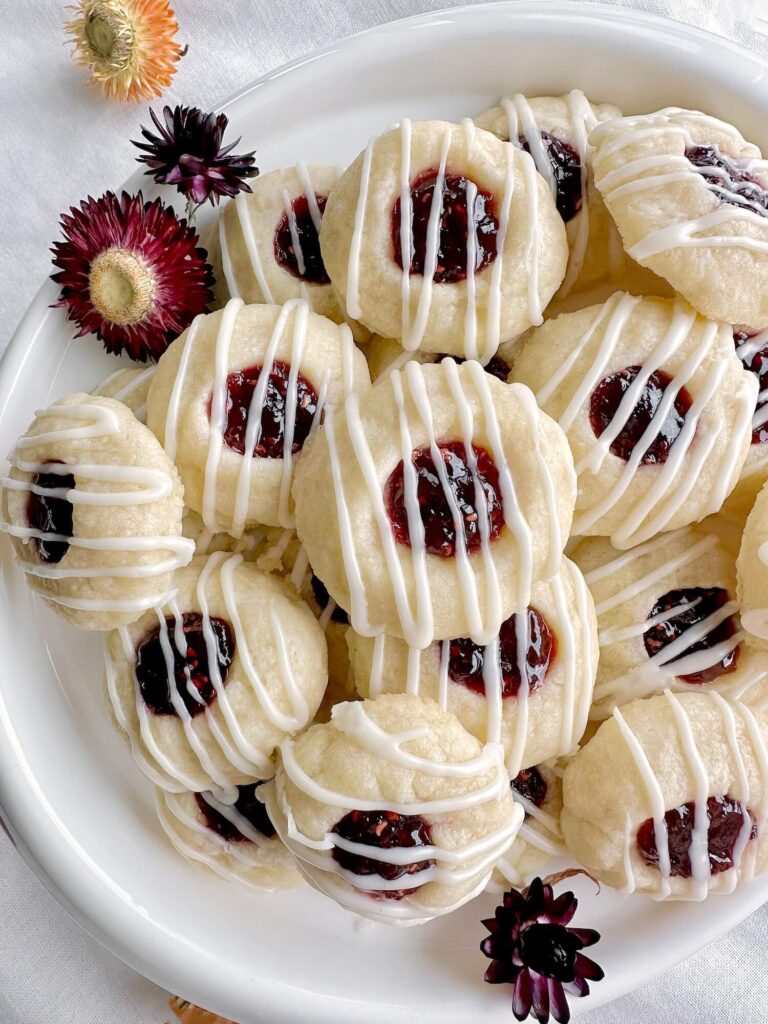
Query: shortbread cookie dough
657	408
439	287
93	506
393	809
670	797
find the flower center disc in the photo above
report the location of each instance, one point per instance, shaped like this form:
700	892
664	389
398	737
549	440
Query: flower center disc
121	285
110	35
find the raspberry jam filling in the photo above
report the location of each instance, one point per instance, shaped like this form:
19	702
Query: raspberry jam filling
247	805
435	510
385	830
496	366
270	442
531	786
566	170
605	402
731	183
757	363
297	242
191	670
726	821
701	602
323	598
466	659
455	218
51	514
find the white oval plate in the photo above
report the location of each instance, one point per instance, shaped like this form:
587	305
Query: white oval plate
78	807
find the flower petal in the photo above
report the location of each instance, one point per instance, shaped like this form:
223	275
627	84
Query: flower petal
587	968
521	997
558	1003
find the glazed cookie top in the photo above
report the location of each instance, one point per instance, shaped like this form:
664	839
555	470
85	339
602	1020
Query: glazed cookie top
235	840
671	796
129	386
249	379
207	685
529	689
393	799
269	240
668	617
539	791
656	406
384	355
690	197
408	273
555	131
752	568
392	469
94	506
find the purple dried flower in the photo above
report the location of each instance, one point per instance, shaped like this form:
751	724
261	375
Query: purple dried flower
187	153
533	950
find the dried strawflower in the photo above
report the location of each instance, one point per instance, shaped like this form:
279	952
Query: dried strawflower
129	46
187	152
131	272
533	949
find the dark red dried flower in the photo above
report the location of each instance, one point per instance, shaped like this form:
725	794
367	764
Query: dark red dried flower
187	153
533	950
131	272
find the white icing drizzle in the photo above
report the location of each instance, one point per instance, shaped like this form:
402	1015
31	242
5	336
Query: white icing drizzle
243	862
137	381
238	754
701	881
451	867
143	485
540	830
414	323
675	659
674	479
574	713
299	311
522	125
638	175
746	350
417	622
246	228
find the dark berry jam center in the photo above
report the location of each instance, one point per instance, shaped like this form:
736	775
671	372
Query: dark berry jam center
531	786
384	830
51	514
756	362
297	242
726	818
496	366
605	402
702	602
191	670
270	441
247	805
435	509
457	225
731	183
323	598
566	170
521	658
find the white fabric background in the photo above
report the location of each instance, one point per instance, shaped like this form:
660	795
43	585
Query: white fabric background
61	141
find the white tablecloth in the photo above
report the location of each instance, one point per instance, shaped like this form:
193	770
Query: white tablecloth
61	141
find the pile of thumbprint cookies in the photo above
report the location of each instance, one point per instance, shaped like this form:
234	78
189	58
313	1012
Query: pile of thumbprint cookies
441	546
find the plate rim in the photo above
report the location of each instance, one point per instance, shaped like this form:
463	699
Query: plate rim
79	899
